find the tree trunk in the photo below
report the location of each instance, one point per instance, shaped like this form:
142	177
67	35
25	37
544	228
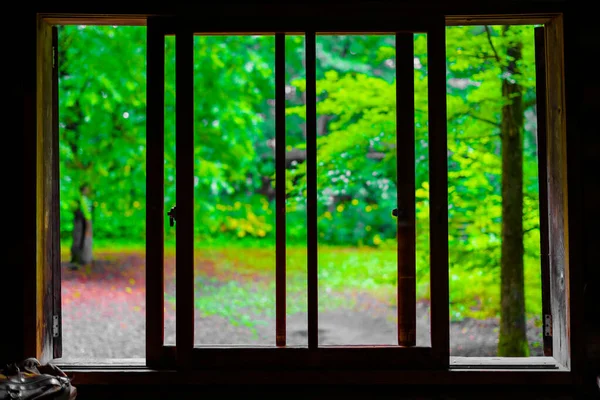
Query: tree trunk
513	338
81	249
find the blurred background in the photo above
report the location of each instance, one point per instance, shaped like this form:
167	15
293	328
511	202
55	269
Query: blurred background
102	113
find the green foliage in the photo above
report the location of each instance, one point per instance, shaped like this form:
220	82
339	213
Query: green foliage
102	111
102	145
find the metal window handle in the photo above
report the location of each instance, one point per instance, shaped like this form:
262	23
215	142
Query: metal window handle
172	215
400	213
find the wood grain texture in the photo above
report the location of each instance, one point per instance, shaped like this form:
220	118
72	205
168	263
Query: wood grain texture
43	347
557	192
540	92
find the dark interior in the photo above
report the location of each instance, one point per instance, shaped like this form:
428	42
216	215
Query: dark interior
583	146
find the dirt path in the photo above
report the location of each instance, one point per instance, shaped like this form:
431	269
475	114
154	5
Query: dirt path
104	317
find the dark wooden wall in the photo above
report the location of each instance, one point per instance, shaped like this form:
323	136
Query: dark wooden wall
17	188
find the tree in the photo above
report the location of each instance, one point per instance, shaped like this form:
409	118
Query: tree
513	331
495	71
81	248
102	112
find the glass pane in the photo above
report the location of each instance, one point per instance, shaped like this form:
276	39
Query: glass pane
297	316
102	119
356	129
422	190
169	239
234	193
494	236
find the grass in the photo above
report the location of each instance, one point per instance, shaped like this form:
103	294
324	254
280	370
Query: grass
239	279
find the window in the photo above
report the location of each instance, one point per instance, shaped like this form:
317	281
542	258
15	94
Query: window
102	190
292	355
407	354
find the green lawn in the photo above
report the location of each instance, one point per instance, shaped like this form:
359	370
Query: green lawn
244	275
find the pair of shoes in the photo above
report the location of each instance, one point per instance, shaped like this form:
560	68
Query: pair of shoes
31	380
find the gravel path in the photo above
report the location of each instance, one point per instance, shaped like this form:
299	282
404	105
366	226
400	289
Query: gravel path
103	317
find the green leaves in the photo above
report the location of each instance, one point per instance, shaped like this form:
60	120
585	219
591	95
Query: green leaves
102	139
102	94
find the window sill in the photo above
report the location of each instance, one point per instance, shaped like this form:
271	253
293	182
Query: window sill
456	363
510	363
133	375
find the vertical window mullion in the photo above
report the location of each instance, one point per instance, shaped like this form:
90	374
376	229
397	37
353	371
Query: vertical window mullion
540	94
280	185
405	164
55	210
311	190
184	142
438	186
155	145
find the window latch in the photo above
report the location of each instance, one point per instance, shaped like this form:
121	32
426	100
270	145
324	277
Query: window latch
172	215
55	331
548	325
400	213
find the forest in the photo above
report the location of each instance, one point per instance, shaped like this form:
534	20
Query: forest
493	195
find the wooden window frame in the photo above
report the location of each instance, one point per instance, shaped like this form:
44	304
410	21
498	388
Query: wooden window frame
187	355
565	358
552	134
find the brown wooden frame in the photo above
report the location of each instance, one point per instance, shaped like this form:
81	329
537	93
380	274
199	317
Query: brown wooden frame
42	291
540	88
312	235
560	270
280	195
55	210
315	356
557	189
155	208
405	190
554	213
